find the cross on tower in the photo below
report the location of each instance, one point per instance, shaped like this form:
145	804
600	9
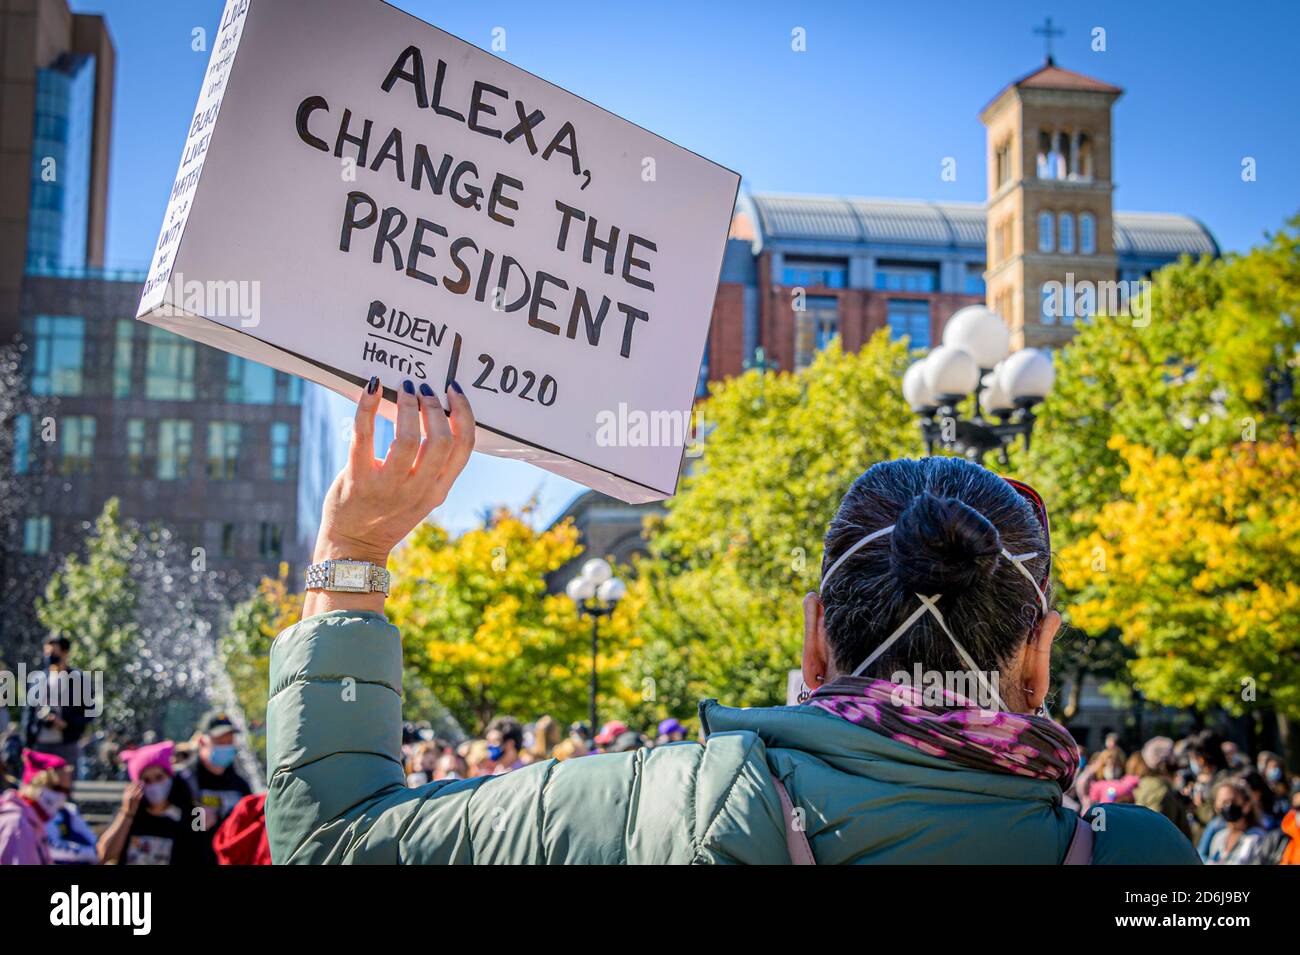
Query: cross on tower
1047	32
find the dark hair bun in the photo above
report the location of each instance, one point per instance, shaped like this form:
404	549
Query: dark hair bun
941	545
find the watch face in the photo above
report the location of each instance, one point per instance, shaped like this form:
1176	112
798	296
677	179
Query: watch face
351	575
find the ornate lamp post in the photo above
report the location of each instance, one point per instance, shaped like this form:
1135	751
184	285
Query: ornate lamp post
973	361
596	592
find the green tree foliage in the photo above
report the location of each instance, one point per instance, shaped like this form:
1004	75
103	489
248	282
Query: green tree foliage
1199	371
92	600
1203	367
741	543
141	620
245	648
480	630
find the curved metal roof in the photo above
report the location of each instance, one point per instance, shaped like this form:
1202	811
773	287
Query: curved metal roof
903	221
1161	233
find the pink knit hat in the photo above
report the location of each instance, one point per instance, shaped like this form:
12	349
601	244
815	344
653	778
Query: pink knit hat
34	762
138	760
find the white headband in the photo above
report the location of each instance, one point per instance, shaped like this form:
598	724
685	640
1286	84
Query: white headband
930	605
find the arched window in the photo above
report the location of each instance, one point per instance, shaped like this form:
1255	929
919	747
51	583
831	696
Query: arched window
1084	162
1003	160
1042	170
1087	233
1066	243
1046	228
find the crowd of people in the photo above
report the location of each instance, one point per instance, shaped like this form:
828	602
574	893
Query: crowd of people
507	745
183	804
187	804
1235	810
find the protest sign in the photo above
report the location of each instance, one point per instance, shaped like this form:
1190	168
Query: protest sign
363	194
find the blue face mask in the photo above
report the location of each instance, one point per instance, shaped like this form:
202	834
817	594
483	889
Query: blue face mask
494	753
221	756
155	794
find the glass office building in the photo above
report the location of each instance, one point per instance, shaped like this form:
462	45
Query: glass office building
62	135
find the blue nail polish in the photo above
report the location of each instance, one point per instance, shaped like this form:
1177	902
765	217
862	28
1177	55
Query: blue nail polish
455	386
408	386
425	389
372	385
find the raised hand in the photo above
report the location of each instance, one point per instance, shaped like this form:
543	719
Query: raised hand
373	504
131	797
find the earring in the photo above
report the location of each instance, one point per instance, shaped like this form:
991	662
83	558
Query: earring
1041	711
805	694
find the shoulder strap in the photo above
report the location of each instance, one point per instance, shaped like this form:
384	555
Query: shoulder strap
796	840
1080	851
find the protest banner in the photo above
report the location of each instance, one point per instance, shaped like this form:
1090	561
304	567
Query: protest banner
363	194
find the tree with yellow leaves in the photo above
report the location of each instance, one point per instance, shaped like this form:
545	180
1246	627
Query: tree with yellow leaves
482	633
1198	566
1210	361
245	646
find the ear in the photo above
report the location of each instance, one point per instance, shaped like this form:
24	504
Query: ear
1036	662
816	649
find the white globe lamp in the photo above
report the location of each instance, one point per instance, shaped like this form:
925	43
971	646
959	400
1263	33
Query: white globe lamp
611	591
950	373
1027	376
980	332
918	397
994	398
580	589
597	571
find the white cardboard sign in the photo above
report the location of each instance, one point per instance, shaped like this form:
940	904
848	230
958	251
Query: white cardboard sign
363	194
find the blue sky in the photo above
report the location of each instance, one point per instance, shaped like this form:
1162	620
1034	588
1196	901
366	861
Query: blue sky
883	93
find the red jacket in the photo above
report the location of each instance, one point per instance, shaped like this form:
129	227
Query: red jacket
241	839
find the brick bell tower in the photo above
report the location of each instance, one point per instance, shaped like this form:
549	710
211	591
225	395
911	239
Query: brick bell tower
1049	201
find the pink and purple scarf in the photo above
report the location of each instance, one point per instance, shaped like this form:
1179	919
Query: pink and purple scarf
958	729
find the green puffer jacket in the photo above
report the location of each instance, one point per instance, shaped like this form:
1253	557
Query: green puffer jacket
338	792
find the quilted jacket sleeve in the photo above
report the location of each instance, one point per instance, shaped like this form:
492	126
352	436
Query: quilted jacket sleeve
337	792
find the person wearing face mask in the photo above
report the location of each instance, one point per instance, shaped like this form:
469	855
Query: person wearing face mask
1234	757
215	784
1238	842
1278	781
26	812
58	723
505	740
934	565
72	841
1205	758
154	825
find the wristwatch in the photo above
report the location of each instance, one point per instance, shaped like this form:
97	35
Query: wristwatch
347	576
